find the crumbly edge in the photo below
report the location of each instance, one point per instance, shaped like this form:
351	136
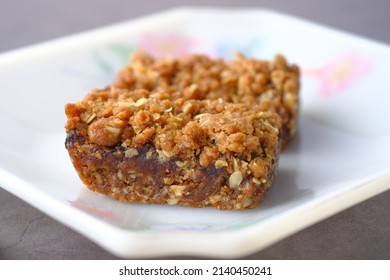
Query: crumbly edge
272	85
142	175
202	153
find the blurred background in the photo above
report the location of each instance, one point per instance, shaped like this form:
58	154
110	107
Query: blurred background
24	22
361	232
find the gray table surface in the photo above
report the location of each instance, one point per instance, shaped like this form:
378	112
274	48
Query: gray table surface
361	232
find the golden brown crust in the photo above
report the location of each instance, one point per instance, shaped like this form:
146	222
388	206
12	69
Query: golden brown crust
271	85
138	146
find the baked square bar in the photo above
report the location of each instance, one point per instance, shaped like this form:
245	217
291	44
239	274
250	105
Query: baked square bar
271	85
138	146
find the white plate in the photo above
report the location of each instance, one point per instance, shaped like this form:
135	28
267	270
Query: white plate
341	155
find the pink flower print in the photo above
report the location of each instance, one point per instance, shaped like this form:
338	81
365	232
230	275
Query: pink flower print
98	212
340	73
166	44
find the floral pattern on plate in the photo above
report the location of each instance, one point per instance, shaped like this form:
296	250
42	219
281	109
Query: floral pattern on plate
340	73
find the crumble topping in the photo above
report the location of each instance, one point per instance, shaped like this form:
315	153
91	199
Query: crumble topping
270	85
